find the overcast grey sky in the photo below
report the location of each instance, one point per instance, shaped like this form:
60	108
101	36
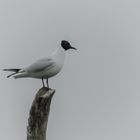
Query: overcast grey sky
97	92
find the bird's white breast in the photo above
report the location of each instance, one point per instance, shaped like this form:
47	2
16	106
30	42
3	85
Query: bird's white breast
58	58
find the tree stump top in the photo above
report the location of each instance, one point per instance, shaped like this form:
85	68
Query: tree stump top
39	113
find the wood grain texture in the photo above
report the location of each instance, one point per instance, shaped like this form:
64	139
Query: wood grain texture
39	113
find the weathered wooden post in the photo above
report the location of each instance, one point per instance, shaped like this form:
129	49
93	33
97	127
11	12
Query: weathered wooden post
39	113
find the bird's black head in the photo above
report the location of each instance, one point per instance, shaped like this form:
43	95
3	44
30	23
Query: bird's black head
66	45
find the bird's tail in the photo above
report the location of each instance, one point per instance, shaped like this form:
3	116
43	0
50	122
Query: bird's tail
12	70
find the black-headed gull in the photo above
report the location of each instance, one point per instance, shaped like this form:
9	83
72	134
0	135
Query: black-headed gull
44	68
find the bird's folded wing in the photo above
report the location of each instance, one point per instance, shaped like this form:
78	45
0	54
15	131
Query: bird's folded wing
40	65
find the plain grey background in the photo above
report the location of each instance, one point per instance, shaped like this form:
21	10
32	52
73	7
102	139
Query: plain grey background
97	92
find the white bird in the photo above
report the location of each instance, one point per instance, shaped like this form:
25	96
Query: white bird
44	68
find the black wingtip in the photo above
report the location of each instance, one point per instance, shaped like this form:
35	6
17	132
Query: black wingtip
11	74
14	70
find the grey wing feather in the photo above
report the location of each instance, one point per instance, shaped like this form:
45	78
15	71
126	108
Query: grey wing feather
40	65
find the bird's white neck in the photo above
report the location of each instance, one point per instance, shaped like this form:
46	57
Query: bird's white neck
59	56
58	52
